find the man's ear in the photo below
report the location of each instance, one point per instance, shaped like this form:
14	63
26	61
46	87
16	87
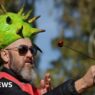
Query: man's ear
5	55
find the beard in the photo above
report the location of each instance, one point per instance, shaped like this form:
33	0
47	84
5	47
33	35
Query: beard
26	72
24	69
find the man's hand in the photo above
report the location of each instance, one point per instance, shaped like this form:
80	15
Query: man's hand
87	81
45	85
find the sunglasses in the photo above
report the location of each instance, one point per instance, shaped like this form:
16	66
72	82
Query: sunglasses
23	49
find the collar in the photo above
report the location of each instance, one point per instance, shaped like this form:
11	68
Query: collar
11	72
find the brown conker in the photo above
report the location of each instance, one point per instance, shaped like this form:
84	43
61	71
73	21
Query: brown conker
60	43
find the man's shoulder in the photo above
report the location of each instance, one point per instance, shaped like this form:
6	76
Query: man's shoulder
7	87
5	83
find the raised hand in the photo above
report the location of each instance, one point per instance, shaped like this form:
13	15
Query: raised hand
45	84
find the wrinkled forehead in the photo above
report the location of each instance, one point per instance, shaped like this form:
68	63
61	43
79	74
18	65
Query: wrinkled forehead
22	41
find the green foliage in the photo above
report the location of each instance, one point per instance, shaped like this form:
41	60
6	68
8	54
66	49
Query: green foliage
72	64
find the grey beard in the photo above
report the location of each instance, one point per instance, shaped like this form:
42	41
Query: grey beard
26	74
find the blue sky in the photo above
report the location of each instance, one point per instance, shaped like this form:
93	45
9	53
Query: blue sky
46	9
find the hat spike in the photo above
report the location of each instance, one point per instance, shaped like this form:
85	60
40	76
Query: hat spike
21	10
27	15
33	19
3	9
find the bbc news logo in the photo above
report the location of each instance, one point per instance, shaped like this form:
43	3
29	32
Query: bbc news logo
5	84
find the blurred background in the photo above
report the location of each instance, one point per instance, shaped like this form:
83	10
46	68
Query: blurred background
70	21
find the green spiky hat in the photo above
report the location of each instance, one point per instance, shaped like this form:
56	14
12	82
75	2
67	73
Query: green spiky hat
14	26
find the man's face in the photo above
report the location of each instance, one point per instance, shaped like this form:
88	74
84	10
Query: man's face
22	64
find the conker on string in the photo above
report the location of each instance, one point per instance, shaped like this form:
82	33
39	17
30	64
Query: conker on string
60	43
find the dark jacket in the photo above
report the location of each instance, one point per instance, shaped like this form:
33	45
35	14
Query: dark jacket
67	88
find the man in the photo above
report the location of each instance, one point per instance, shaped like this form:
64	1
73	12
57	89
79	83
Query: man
18	55
17	76
18	61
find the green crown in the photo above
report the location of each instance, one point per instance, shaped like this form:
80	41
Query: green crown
14	26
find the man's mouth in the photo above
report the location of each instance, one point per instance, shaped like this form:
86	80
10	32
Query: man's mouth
30	62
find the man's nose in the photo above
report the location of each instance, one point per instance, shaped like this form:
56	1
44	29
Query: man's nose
29	54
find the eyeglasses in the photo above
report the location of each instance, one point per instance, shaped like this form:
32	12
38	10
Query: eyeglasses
23	49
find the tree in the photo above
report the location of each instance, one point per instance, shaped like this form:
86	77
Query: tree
78	22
